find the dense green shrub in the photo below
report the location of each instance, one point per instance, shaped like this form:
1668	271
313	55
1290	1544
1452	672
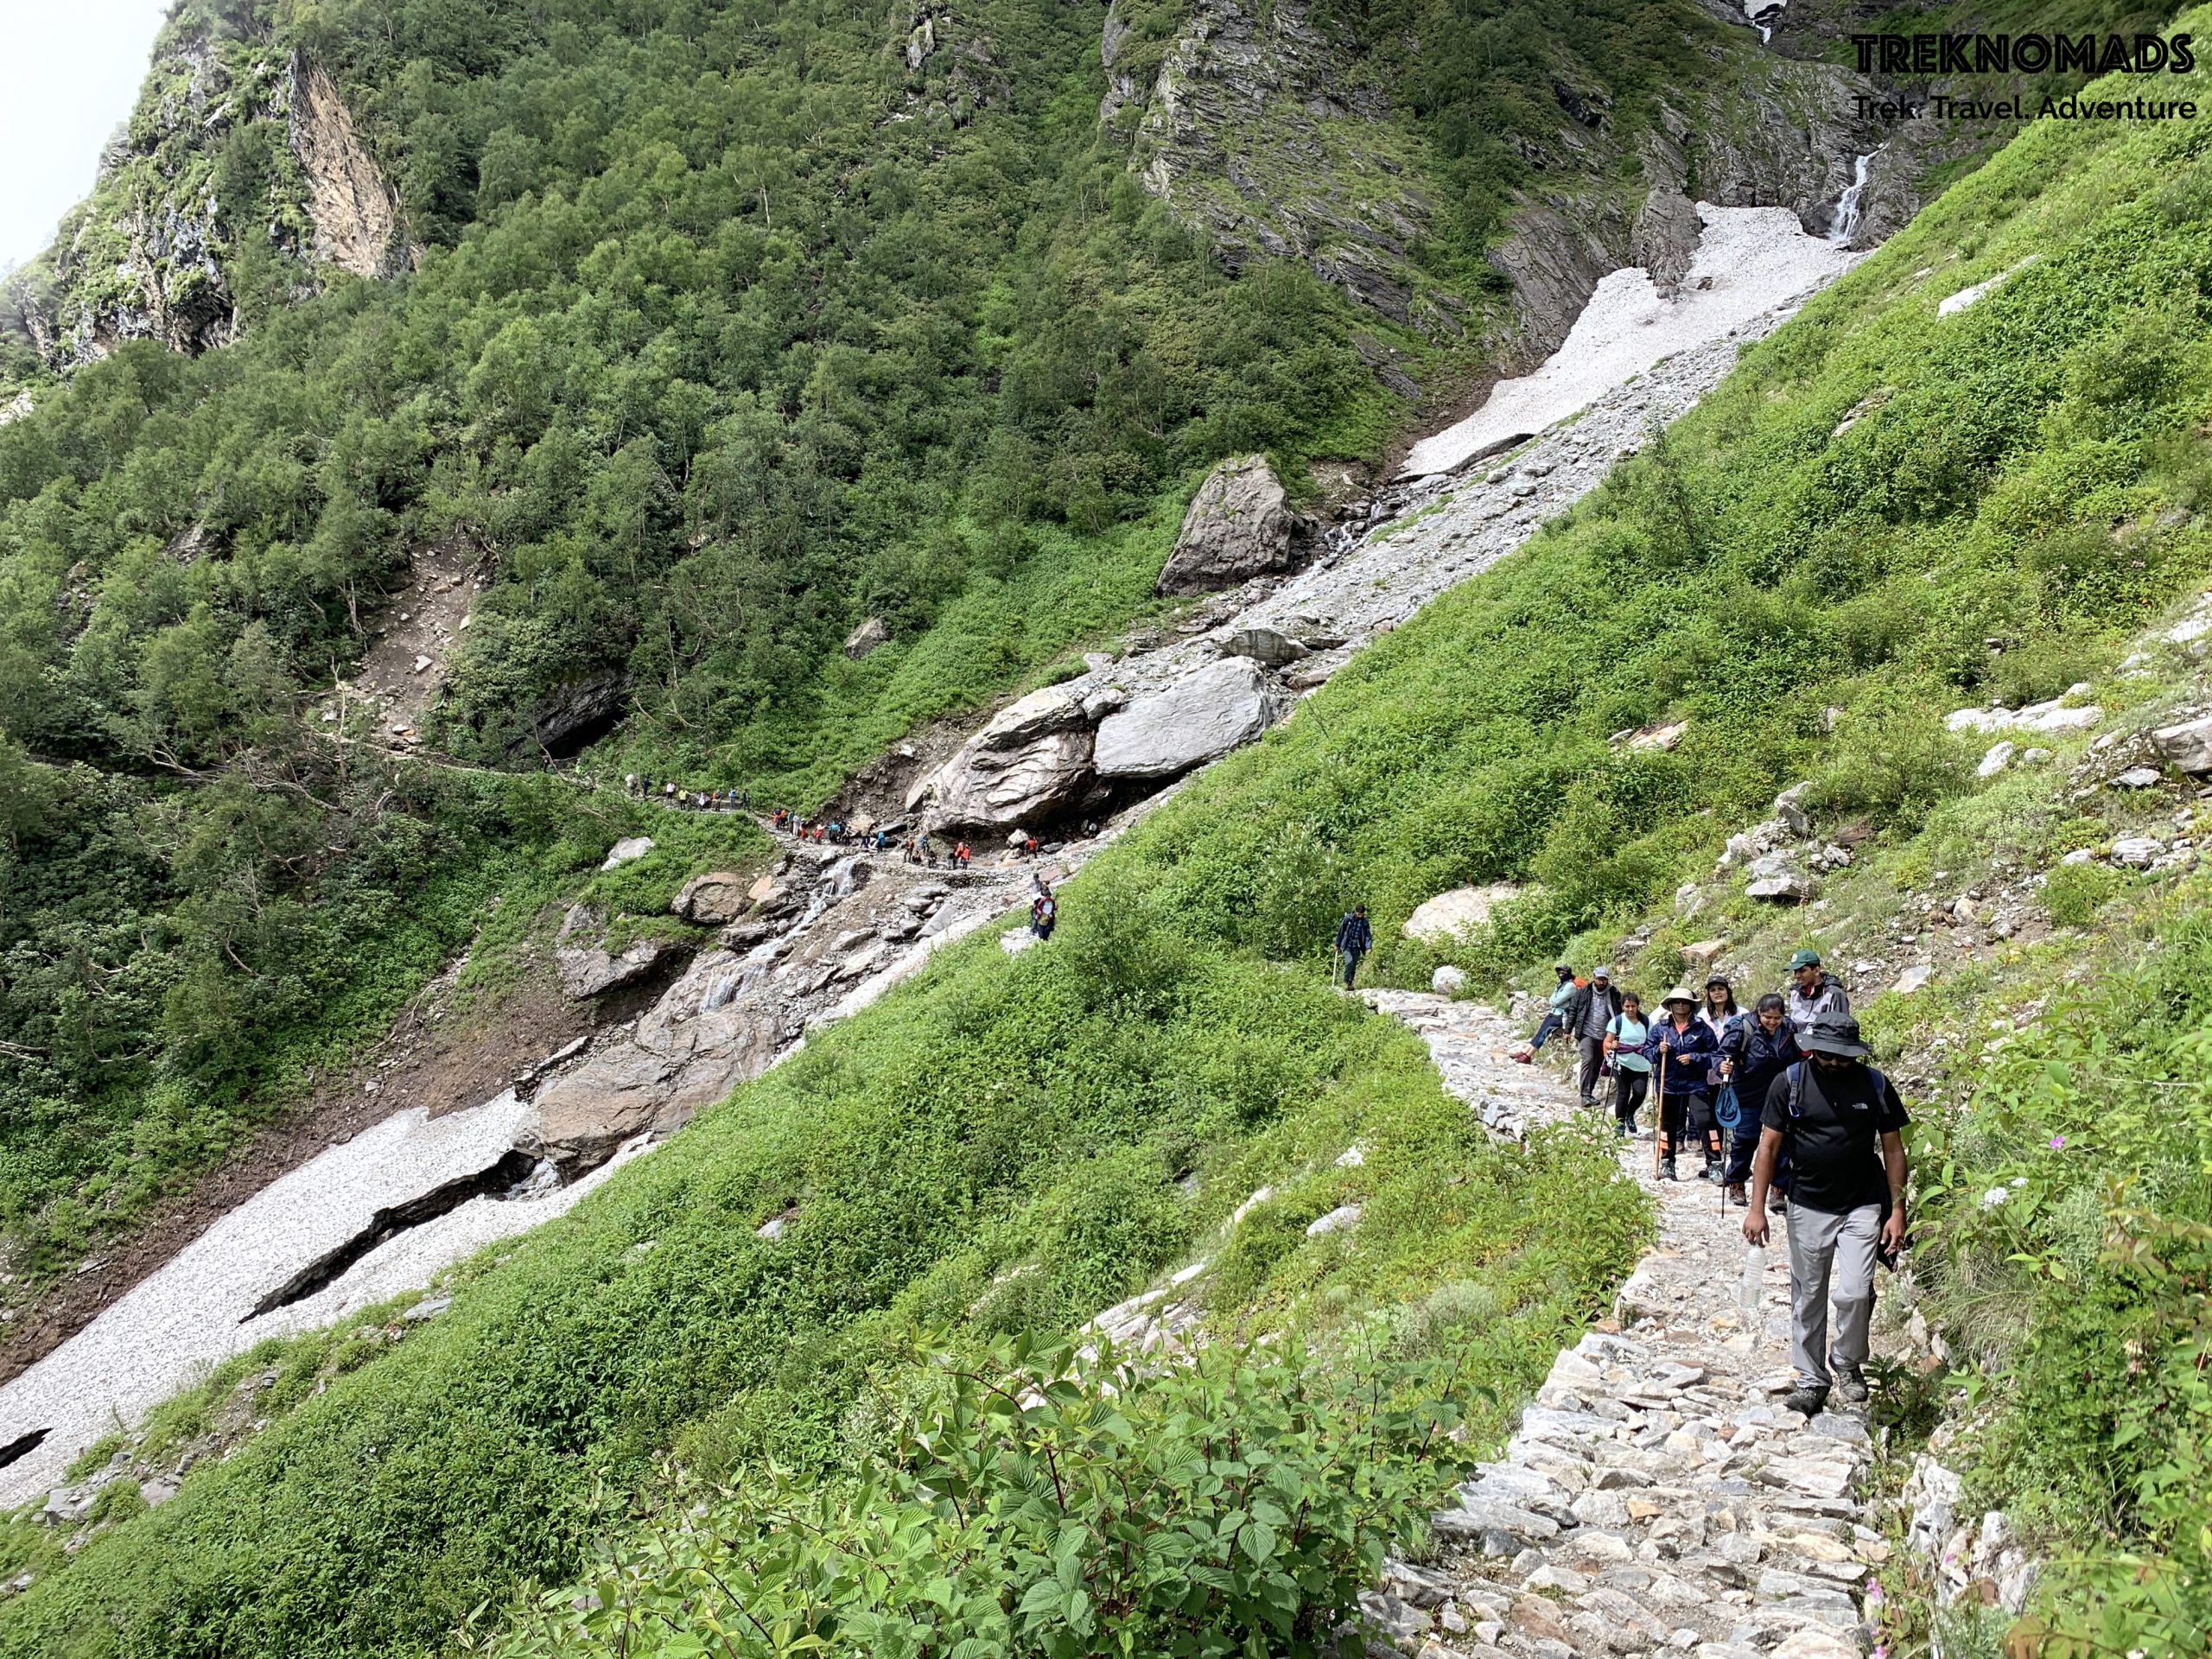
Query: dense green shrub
1032	1501
2066	1236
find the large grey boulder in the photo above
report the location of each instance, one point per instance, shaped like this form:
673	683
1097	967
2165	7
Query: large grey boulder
1199	718
1055	709
2189	745
628	850
1779	879
1238	527
1443	918
998	789
1267	645
865	638
714	899
1030	762
697	1045
585	965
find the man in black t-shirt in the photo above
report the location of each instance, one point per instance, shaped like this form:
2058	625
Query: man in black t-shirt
1843	1124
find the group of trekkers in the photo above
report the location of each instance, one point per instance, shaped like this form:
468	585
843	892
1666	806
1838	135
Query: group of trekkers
1698	1049
1785	1111
1782	1105
705	800
922	849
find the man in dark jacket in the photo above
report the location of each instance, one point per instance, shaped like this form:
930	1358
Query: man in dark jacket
1757	1051
1843	1125
1354	939
1588	1012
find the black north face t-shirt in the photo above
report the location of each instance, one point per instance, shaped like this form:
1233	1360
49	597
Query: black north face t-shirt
1835	1140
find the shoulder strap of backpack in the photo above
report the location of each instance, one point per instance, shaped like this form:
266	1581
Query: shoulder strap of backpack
1796	1076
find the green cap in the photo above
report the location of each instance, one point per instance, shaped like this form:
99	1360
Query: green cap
1805	958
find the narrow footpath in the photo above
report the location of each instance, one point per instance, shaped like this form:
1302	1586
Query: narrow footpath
1655	1498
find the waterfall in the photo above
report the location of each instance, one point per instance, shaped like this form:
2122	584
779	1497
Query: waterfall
1846	224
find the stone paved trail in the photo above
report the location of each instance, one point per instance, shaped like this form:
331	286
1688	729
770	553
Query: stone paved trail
1657	1498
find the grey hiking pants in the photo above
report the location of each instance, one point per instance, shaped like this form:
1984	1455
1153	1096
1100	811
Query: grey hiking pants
1593	1066
1831	1257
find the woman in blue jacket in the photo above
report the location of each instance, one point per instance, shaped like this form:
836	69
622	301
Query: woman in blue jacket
1684	1051
1756	1051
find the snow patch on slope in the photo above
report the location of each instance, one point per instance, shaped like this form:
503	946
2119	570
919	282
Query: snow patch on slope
180	1322
1749	260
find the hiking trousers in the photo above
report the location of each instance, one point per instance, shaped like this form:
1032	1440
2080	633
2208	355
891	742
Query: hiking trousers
1593	1064
1348	961
1629	1091
1831	1259
1677	1114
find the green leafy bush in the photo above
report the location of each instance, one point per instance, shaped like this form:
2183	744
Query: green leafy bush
1036	1501
2066	1236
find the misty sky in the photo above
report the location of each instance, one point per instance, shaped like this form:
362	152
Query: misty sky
67	79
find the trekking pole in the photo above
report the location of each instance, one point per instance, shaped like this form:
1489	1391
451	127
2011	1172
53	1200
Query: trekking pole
1659	1114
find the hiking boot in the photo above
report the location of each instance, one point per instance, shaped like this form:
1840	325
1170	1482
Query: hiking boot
1809	1400
1712	1166
1735	1196
1666	1168
1853	1387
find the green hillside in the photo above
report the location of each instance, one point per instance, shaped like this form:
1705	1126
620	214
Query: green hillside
727	326
1809	569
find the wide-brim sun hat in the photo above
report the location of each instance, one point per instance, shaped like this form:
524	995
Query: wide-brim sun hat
1679	993
1836	1034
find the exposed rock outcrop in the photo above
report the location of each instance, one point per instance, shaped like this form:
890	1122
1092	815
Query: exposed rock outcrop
573	715
586	966
1192	722
695	1046
355	211
1270	138
148	254
1238	526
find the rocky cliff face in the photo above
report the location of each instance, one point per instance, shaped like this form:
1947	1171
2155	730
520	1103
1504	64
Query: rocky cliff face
234	149
1273	136
1268	134
355	210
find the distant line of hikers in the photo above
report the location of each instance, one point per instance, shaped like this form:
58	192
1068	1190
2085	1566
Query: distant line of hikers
706	800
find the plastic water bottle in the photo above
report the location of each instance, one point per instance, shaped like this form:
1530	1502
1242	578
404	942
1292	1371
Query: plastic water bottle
1754	1283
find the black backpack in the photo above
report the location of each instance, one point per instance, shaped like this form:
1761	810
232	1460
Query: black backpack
1796	1074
